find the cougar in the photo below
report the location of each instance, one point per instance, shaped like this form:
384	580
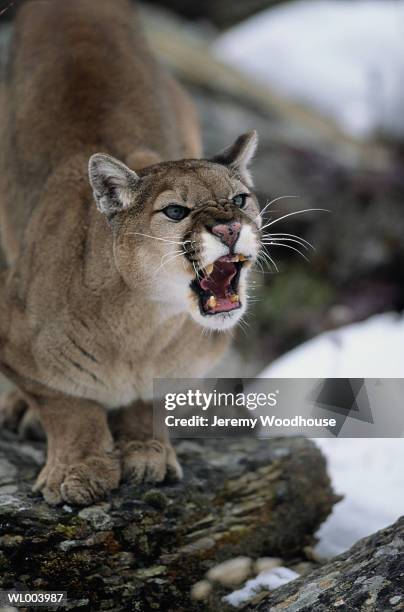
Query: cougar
128	252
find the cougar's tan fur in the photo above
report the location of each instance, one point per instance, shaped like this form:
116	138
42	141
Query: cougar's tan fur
95	301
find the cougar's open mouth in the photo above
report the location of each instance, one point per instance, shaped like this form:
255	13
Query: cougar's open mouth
217	286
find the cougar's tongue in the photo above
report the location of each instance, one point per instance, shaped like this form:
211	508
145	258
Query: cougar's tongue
221	297
219	281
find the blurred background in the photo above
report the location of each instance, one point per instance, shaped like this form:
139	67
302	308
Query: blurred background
321	81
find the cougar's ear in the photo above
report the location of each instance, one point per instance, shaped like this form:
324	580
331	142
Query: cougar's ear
239	154
113	183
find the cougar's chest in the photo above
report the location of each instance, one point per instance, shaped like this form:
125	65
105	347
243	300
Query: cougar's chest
133	379
118	369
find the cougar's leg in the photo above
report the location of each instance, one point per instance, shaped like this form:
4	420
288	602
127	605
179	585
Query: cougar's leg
145	455
12	409
82	466
18	416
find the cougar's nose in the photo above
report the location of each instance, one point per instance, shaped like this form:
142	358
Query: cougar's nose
227	232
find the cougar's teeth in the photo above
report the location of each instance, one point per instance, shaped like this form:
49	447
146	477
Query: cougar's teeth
242	257
212	302
209	269
234	298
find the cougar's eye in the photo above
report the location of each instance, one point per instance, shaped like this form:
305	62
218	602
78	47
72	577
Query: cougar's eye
175	212
240	199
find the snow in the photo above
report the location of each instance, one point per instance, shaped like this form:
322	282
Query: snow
341	57
368	472
371	349
265	580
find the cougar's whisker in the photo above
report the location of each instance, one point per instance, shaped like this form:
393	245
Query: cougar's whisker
296	212
288	246
269	240
168	261
157	238
260	214
197	272
171	253
268	259
279	235
258	262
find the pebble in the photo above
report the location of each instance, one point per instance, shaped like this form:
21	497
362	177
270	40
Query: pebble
312	554
70	544
11	541
304	567
97	515
201	590
231	572
265	564
395	600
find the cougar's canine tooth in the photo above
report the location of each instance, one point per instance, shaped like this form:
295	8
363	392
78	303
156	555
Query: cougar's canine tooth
234	298
212	302
209	269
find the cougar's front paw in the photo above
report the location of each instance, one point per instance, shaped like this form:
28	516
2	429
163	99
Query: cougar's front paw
81	483
16	415
150	461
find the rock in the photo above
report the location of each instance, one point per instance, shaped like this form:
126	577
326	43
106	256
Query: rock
232	572
265	564
146	548
97	516
201	590
304	567
368	577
